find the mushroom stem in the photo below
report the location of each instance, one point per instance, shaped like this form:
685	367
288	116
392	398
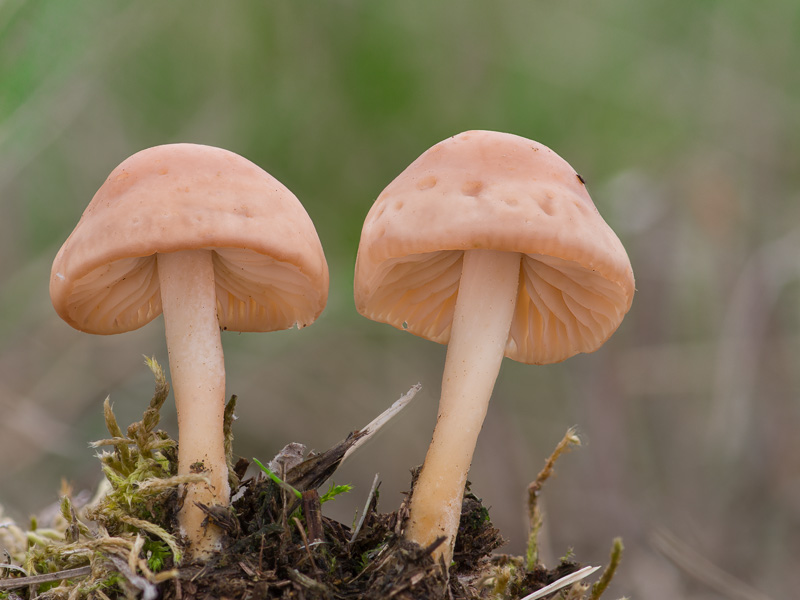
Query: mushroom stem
484	309
197	371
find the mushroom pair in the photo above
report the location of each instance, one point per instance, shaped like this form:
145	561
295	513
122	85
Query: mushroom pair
214	242
489	243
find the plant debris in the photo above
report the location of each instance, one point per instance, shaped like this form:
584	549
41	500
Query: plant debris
122	543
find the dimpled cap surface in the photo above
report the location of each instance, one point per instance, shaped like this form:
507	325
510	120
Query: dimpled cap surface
484	189
270	270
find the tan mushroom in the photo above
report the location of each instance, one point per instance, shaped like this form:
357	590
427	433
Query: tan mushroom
490	243
213	241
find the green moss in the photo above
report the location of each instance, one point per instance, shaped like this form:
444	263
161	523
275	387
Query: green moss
128	525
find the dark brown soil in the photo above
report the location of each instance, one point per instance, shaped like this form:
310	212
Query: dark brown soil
271	553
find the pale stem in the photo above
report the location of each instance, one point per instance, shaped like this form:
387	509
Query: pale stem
197	371
484	309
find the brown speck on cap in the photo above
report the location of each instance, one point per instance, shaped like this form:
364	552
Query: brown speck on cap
576	281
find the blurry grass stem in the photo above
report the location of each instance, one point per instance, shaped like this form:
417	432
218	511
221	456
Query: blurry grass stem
742	341
534	489
703	570
558	584
616	556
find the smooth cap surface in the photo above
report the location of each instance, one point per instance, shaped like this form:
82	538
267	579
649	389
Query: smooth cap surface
270	269
484	189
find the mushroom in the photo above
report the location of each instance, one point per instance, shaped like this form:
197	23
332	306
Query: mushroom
489	243
212	241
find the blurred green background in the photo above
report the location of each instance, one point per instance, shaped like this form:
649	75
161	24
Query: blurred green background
682	116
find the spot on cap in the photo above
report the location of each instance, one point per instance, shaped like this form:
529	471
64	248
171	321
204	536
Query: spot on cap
484	189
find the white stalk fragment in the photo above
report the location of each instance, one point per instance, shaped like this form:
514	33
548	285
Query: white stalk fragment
378	422
561	583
